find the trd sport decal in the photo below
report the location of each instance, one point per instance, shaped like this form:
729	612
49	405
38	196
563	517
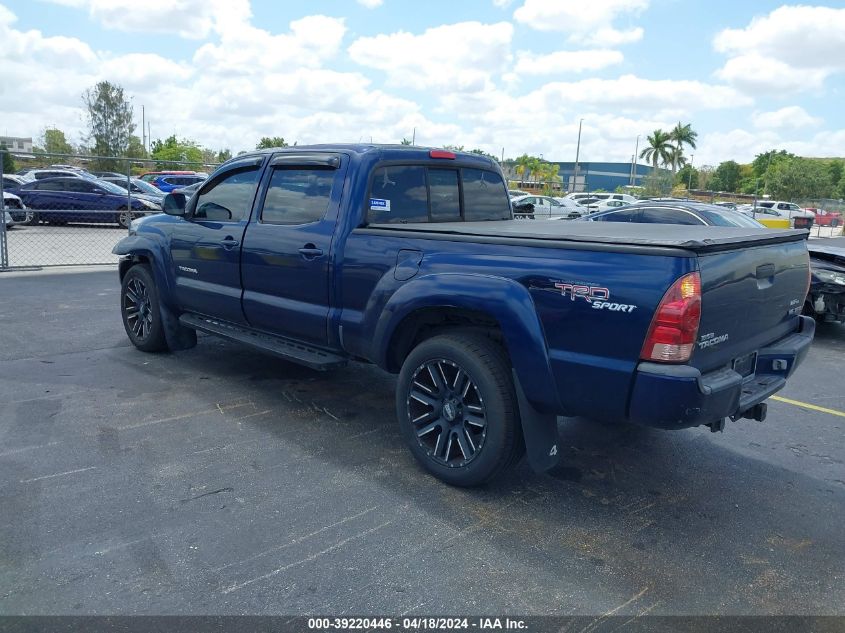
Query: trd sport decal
597	296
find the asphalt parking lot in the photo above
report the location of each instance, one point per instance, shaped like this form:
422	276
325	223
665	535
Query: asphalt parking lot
218	480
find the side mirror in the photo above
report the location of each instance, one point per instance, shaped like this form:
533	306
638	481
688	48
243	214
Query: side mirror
174	204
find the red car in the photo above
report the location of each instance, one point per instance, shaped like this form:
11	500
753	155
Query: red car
826	218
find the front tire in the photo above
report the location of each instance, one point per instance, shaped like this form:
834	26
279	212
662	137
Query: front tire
140	309
457	408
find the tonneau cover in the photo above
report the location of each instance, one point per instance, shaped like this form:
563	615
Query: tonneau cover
698	239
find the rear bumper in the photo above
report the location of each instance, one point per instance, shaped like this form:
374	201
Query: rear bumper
680	396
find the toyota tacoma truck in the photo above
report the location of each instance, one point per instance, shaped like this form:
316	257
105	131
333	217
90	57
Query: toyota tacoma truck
410	259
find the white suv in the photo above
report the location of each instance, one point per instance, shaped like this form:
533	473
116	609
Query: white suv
789	210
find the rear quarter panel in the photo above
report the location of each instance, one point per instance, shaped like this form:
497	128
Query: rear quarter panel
569	355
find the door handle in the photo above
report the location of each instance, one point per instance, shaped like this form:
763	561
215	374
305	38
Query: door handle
229	243
310	251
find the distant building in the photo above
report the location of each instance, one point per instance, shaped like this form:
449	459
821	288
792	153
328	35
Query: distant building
607	176
17	143
591	176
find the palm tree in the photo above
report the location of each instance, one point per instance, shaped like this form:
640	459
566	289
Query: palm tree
657	151
682	134
676	158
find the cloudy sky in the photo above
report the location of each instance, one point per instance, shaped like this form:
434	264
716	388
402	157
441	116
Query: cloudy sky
494	74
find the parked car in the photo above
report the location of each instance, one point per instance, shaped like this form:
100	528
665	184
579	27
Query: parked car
137	186
41	174
826	299
12	181
169	183
108	174
686	212
190	189
798	217
826	218
152	175
17	209
494	327
602	196
7	219
607	205
515	193
768	218
69	199
546	207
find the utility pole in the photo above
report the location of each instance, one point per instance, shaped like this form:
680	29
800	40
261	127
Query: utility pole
577	155
143	129
414	137
634	162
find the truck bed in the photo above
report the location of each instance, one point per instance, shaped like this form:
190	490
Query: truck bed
696	239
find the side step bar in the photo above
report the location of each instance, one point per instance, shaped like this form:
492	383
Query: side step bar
288	349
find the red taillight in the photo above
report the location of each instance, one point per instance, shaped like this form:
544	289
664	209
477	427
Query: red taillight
671	335
441	153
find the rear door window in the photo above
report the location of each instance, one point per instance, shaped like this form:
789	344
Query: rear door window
623	215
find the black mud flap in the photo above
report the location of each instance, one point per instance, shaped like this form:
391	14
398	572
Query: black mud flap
178	336
540	433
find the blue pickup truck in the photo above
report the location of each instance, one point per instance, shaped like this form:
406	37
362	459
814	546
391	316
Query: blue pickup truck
409	258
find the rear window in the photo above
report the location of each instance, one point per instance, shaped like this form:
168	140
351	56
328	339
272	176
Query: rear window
485	196
416	193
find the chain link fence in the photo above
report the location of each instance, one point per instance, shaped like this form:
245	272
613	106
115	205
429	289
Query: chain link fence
62	209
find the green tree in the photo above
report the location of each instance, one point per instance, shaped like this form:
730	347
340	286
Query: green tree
135	149
268	142
657	150
799	178
405	141
173	149
526	166
726	177
834	170
683	177
109	121
223	155
765	160
481	152
8	161
53	141
682	134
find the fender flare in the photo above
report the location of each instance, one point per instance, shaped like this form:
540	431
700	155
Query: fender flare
139	245
504	300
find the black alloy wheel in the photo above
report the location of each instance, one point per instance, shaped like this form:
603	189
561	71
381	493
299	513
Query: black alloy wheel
447	412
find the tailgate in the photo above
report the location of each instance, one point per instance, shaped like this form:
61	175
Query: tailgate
750	297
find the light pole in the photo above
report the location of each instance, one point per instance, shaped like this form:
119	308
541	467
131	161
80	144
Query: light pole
689	181
577	155
634	162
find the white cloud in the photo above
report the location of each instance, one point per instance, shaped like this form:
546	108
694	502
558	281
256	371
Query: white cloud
459	57
792	48
788	117
370	4
502	4
528	63
584	21
191	19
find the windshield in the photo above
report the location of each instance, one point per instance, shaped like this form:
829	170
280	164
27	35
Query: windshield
146	187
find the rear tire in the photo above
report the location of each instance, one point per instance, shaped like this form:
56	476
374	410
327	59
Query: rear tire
124	218
140	309
457	408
